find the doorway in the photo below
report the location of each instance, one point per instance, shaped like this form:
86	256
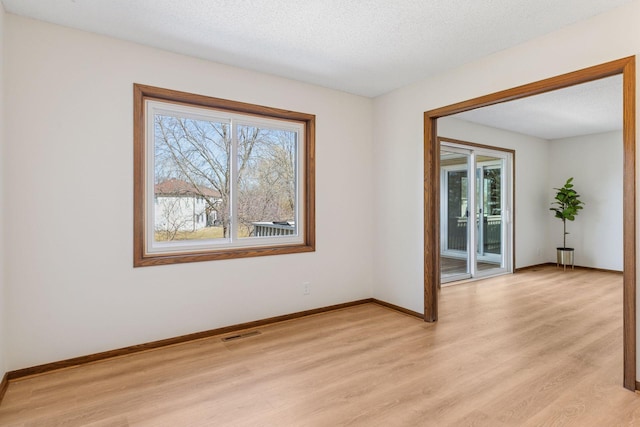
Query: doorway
626	67
476	231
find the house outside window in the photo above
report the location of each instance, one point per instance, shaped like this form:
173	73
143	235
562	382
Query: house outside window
181	209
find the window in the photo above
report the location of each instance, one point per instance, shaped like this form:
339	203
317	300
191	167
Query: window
219	179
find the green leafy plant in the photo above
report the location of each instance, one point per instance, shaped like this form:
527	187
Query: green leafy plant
566	206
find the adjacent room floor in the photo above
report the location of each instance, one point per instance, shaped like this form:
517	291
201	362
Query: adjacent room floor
541	347
450	266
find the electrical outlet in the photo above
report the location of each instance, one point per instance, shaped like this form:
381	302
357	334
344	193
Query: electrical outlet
306	288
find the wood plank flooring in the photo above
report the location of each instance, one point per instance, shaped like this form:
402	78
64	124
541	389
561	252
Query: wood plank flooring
449	266
539	348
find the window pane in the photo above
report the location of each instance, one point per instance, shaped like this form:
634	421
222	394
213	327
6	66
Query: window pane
492	233
457	210
191	179
266	182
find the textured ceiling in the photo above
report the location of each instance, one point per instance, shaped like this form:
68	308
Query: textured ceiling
589	108
364	47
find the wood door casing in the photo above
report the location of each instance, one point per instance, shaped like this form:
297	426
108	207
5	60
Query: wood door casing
624	66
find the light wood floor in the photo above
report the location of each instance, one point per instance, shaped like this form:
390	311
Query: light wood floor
539	348
449	266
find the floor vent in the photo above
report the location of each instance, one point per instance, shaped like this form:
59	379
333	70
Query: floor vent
241	336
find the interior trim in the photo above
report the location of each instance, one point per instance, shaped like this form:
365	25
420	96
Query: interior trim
141	256
83	360
398	308
579	267
125	351
4	384
624	66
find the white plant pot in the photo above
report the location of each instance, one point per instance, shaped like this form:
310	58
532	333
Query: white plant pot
565	257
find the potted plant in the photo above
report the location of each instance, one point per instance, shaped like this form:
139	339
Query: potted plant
566	206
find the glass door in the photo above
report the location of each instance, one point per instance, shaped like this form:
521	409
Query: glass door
489	212
454	202
475	233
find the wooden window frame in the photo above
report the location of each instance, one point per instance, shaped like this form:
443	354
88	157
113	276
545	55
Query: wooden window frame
142	257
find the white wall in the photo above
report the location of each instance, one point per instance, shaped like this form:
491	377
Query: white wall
3	303
595	163
70	279
398	132
531	192
68	139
